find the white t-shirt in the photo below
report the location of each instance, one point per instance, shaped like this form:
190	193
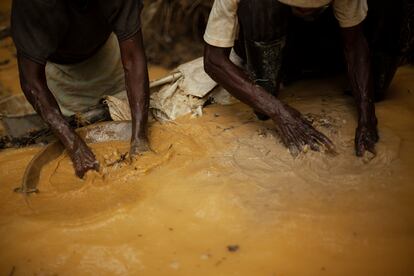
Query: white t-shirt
223	25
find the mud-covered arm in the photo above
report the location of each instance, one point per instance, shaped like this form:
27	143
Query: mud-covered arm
137	86
34	86
359	73
295	131
219	67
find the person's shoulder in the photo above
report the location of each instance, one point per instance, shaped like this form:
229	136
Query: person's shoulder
350	12
118	4
37	26
37	3
122	15
36	6
227	3
225	6
349	3
38	11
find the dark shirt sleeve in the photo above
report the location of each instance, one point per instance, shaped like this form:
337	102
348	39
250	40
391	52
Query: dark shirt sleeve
124	17
37	27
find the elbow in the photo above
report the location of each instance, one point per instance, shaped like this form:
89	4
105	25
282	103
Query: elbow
208	64
128	65
131	59
209	68
213	60
134	66
29	88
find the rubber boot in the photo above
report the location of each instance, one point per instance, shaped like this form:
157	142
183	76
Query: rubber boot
264	62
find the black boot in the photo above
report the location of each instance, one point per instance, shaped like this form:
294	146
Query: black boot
264	62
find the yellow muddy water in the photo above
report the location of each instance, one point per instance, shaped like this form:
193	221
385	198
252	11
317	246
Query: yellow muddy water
220	195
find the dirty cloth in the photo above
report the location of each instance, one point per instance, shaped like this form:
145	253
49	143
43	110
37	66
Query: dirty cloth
223	27
186	95
79	86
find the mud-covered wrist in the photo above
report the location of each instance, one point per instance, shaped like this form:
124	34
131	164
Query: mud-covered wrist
366	112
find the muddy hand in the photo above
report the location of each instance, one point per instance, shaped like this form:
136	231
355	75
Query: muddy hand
83	158
138	147
297	132
366	137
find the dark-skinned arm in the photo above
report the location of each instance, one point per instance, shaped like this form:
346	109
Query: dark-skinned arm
359	73
34	86
294	129
137	86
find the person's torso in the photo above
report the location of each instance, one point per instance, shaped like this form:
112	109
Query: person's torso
86	30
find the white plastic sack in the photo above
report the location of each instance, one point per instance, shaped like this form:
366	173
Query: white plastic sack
186	95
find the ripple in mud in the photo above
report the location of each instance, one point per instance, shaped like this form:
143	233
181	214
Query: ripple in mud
265	160
118	184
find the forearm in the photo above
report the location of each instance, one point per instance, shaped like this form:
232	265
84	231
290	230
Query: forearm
219	67
295	131
33	84
137	85
359	72
45	105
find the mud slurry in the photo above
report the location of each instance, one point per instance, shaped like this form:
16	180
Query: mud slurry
224	181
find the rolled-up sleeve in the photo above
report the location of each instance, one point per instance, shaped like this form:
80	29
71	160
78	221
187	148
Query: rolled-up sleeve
222	27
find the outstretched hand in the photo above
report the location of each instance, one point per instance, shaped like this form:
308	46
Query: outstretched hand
297	132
